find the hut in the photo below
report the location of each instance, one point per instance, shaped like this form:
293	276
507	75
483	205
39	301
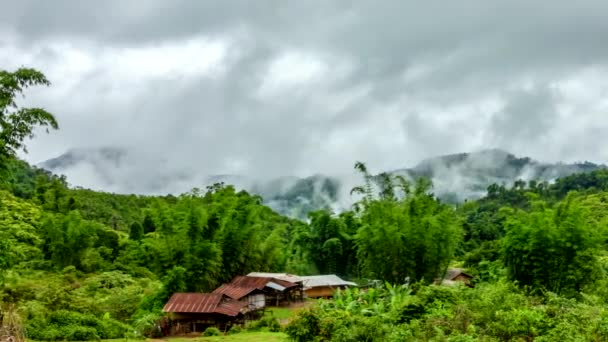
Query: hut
454	275
295	293
324	286
194	312
257	292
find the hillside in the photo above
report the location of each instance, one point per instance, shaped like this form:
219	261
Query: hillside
455	177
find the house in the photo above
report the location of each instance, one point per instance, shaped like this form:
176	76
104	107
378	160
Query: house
295	293
324	286
257	292
454	275
194	312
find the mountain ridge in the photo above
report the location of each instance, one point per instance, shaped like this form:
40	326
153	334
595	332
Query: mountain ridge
456	177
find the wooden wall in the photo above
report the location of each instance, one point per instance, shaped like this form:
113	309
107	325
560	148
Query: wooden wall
321	291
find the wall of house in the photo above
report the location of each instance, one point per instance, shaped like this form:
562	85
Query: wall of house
321	291
256	301
184	323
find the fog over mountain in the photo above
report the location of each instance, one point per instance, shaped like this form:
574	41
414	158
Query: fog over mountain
268	89
455	177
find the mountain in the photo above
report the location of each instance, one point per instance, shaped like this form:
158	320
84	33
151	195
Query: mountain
461	176
455	177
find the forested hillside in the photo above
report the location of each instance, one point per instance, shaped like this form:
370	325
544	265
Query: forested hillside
77	264
455	178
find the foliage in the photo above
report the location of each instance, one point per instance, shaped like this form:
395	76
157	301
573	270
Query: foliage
265	323
414	237
212	331
490	312
552	248
235	329
17	124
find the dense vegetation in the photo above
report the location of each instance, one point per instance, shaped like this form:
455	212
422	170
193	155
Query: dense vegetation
82	265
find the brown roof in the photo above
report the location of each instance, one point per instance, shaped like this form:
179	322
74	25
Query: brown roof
455	272
203	303
241	286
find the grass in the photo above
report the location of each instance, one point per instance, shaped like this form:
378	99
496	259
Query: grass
259	336
280	313
256	336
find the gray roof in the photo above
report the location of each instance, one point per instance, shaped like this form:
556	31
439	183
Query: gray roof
325	280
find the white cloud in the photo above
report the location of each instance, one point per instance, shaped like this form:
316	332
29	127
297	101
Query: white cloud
304	87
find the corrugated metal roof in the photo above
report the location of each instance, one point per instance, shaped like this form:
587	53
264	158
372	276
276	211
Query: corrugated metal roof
292	278
242	286
230	307
455	272
235	291
203	303
275	286
325	280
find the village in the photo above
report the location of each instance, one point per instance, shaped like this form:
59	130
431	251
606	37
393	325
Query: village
247	298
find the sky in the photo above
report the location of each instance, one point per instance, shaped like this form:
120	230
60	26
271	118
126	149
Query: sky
274	88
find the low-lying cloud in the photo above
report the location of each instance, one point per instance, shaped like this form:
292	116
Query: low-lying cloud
297	88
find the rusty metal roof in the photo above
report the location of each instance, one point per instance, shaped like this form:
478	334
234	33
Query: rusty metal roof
230	307
455	272
242	286
292	278
203	303
234	291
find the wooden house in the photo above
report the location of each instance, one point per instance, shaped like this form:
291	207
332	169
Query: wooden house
293	293
194	312
257	292
454	275
324	286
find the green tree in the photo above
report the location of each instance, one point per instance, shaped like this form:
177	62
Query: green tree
148	224
413	237
16	123
552	248
136	231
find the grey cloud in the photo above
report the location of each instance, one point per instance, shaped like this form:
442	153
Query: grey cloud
529	115
403	80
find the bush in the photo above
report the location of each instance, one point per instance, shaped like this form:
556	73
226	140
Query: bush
74	326
235	329
212	331
266	322
79	333
305	326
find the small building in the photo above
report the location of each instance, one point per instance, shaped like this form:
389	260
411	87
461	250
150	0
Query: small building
295	293
194	312
257	292
454	275
324	286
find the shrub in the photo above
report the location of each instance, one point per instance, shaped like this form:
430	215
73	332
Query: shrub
235	329
266	322
212	331
79	333
304	327
74	326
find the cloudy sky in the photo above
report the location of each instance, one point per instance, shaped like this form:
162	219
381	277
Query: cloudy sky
296	87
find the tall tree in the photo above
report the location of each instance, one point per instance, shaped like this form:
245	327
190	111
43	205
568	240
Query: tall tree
17	123
413	237
136	232
552	248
